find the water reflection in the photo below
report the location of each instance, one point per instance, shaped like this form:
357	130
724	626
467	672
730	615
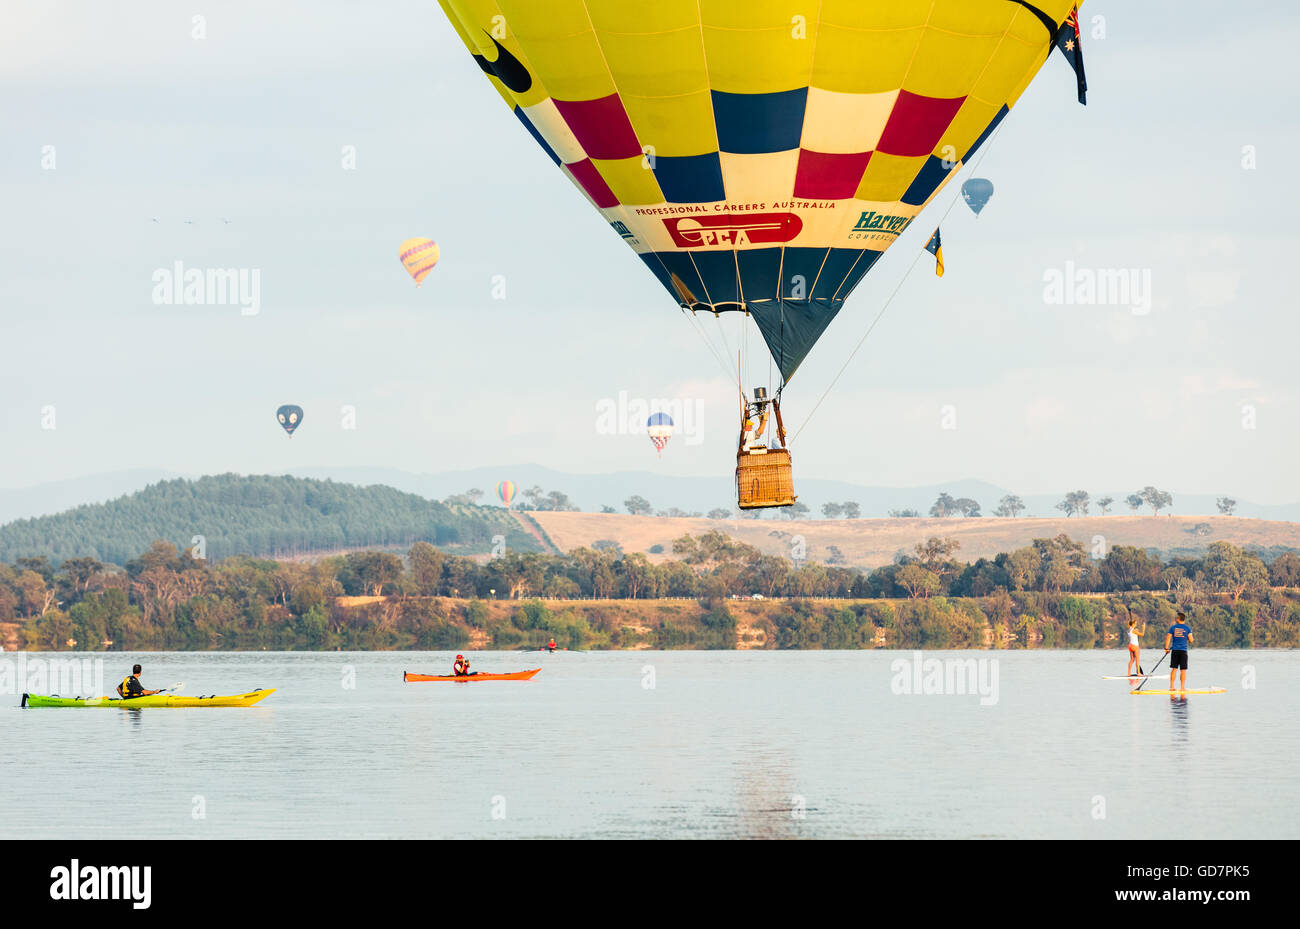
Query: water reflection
1179	712
768	803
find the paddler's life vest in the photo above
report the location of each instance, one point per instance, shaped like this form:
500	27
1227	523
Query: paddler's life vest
460	668
124	688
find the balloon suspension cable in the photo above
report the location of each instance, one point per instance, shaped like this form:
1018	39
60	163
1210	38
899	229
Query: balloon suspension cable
903	279
719	355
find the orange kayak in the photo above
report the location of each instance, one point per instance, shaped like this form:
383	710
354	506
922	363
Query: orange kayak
468	679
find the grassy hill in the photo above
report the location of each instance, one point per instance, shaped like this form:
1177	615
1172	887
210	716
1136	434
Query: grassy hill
287	517
260	515
870	543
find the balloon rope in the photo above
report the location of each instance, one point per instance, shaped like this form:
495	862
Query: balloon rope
857	347
709	343
906	274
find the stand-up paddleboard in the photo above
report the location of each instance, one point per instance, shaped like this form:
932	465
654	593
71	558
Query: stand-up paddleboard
1179	693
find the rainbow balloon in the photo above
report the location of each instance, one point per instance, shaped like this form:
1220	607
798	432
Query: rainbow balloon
506	491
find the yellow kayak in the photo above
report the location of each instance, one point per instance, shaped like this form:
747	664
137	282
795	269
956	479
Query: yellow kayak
139	703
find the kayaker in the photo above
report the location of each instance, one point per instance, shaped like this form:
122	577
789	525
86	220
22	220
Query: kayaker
1177	640
551	644
1134	637
461	667
131	686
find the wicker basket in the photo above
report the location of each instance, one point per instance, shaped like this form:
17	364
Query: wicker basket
764	479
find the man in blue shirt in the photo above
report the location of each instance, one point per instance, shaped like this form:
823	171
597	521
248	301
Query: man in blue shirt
1177	640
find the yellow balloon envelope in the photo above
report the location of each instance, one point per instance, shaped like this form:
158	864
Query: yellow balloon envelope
759	155
418	258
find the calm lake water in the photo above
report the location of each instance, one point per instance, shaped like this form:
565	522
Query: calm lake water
723	744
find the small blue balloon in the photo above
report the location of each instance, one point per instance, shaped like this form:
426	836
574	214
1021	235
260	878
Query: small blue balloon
976	192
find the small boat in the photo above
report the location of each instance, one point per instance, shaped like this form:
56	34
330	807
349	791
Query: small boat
469	678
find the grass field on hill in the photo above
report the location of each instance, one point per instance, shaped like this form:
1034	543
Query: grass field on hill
870	543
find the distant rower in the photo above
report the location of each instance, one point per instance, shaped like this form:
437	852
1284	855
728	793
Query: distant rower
131	686
551	644
1177	641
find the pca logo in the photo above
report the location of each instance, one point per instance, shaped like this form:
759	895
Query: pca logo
728	230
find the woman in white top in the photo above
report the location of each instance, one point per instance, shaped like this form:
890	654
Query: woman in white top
1134	637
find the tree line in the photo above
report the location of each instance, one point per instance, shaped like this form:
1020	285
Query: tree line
167	597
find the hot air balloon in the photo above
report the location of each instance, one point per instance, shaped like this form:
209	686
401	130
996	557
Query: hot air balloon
290	416
418	258
756	167
660	428
976	193
506	491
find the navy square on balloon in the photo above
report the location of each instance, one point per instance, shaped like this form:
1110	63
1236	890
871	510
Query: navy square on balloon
756	124
690	178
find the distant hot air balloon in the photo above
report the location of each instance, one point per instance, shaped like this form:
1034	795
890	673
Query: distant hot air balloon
418	257
289	416
660	427
976	193
506	491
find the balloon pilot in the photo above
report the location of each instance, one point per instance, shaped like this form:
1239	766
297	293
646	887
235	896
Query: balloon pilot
756	412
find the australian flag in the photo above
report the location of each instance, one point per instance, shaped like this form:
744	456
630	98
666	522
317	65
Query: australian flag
935	248
1071	46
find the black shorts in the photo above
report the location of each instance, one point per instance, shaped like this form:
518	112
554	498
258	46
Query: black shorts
1178	660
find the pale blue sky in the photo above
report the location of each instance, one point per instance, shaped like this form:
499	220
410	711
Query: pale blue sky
248	125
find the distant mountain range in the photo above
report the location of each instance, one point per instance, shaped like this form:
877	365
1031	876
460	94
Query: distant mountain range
591	491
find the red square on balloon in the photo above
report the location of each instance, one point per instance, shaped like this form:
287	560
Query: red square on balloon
823	176
601	127
917	123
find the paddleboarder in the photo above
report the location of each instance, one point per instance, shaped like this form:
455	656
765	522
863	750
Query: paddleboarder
1177	640
131	686
1134	639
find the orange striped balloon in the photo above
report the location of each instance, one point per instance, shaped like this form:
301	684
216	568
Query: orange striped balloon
418	258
